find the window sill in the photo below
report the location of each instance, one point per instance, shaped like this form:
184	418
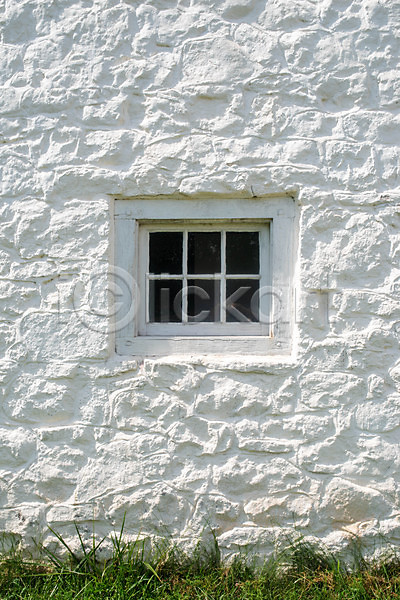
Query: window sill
263	364
232	345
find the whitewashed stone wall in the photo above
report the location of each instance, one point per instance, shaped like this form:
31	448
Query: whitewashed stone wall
237	97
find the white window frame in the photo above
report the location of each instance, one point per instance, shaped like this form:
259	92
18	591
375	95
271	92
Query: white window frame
134	218
204	328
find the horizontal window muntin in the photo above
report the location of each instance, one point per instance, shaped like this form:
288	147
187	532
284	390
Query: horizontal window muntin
190	304
216	276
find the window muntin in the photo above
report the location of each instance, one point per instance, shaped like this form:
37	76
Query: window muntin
205	278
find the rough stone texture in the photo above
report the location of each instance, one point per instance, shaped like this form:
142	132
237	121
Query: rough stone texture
125	97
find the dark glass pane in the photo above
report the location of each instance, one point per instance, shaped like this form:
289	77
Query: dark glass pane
242	300
204	252
242	252
203	300
166	252
165	301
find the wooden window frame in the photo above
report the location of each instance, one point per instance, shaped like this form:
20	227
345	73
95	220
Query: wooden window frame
135	217
205	328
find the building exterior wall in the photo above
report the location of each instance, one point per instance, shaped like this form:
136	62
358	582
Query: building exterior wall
237	98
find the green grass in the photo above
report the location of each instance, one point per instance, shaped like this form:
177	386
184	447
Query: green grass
302	571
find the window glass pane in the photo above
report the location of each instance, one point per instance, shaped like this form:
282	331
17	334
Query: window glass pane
203	300
242	252
204	252
242	300
166	252
165	300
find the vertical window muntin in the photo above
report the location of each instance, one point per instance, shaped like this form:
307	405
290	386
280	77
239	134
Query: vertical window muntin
224	324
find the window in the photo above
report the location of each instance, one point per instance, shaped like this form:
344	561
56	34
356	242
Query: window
197	281
204	278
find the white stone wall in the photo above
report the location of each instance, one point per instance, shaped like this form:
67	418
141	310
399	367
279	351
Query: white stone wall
104	98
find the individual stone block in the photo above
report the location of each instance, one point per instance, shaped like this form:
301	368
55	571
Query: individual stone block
214	61
347	502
